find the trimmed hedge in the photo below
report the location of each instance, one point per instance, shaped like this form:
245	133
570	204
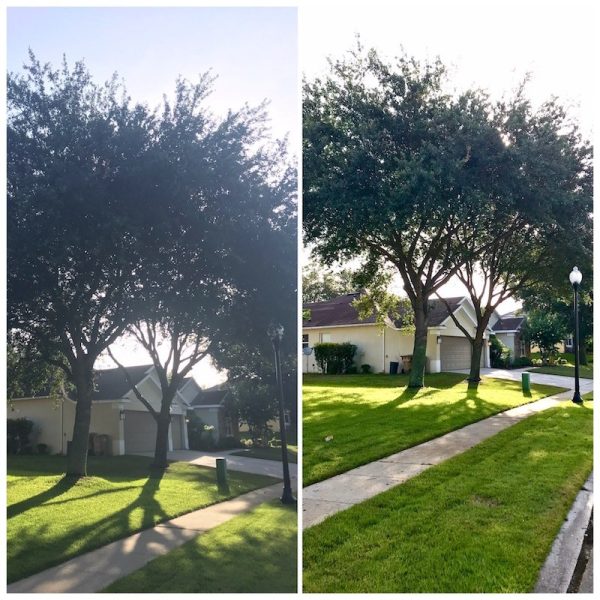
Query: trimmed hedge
335	359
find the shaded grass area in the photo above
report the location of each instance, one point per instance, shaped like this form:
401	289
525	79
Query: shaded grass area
589	396
481	522
52	519
269	453
252	553
373	416
564	371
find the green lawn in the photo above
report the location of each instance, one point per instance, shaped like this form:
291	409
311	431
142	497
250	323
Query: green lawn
481	522
51	520
373	416
269	453
255	552
588	396
568	370
565	370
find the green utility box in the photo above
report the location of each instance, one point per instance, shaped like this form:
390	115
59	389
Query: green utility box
222	479
525	382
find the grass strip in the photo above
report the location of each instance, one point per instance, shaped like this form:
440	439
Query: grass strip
479	523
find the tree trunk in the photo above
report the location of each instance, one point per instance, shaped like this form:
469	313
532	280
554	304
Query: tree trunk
162	431
162	441
419	358
477	349
78	450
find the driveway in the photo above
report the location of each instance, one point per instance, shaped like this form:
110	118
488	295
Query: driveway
258	466
585	385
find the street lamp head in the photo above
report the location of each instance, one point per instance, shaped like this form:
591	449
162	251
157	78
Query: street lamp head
275	332
575	277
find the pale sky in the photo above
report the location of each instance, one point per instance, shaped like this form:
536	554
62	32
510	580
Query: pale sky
252	51
490	45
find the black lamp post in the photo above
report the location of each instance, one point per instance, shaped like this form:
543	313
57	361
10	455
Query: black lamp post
275	332
575	279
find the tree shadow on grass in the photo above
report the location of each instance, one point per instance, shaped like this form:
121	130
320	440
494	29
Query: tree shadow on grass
60	487
32	558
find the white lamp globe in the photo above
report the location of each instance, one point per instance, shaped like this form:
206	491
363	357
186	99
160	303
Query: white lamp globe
575	276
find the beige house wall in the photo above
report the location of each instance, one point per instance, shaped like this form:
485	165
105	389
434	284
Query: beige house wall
375	346
54	419
378	347
46	416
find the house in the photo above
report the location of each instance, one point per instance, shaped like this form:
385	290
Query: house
116	413
509	330
337	320
212	407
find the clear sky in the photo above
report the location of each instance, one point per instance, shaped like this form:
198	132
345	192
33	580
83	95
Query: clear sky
490	44
253	51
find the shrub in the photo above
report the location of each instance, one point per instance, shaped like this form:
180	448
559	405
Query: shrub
522	361
17	434
334	359
43	449
351	370
562	361
229	442
366	369
499	354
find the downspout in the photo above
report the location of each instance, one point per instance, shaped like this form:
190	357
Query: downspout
383	353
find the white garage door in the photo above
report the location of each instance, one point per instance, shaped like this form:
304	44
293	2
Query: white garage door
455	353
177	432
140	432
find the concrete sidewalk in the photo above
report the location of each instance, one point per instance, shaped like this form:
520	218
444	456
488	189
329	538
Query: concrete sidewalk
338	493
257	466
97	569
585	385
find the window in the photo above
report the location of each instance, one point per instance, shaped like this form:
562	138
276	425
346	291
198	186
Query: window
569	342
325	338
522	348
305	340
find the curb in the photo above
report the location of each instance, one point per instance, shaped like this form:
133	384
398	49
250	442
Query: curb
557	572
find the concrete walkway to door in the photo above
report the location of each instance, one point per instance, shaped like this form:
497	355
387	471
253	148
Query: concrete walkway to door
338	493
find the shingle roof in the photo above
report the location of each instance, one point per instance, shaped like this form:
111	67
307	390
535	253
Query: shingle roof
208	397
508	324
339	311
111	384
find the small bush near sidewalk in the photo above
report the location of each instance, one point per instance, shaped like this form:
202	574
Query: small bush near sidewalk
479	523
51	519
252	553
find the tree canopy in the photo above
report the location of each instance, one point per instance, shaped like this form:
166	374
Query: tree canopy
399	170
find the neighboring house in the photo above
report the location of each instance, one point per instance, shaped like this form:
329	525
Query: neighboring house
509	330
116	412
212	407
337	321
